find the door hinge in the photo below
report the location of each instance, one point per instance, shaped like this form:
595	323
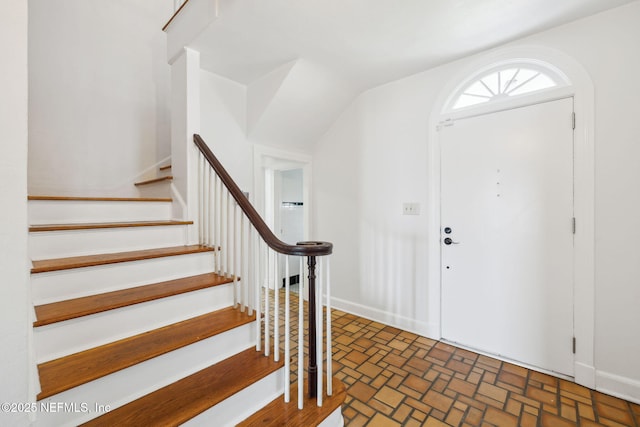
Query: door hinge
573	121
573	226
574	345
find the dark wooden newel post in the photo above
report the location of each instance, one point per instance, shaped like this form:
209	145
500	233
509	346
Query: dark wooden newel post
312	370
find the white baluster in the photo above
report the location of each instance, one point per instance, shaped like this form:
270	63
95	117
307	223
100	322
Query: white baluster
205	203
251	264
319	333
301	336
287	333
214	221
266	266
329	339
229	237
276	309
236	293
222	230
243	274
218	226
255	254
200	201
225	231
211	205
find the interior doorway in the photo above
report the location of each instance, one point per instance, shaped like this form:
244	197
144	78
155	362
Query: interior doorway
507	237
285	213
283	182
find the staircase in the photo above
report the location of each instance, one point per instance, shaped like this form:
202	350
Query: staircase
133	326
156	185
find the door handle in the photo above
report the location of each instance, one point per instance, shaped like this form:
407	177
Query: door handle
449	241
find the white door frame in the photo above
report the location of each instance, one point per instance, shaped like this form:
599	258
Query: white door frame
581	88
263	156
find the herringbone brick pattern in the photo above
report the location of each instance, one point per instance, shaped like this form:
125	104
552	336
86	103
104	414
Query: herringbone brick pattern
396	378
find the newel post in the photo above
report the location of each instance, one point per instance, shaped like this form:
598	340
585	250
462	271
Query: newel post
312	369
185	121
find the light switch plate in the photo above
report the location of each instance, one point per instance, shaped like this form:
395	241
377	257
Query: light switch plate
411	208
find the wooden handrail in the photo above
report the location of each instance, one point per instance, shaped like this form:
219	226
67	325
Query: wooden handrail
308	249
184	3
299	249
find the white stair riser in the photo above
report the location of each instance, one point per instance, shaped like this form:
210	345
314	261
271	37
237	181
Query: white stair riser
73	211
334	419
60	244
75	335
78	282
241	405
157	189
129	384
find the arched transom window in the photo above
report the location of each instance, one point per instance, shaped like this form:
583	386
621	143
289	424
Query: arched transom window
507	81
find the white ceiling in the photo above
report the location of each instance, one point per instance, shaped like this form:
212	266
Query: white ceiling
370	42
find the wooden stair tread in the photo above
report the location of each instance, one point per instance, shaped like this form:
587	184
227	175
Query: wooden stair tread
47	314
96	225
279	413
101	199
154	180
76	369
179	402
56	264
165	167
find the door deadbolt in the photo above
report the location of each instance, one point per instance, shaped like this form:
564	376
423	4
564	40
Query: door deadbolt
447	230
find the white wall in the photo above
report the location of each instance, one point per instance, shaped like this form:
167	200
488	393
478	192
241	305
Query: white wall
371	161
375	157
223	123
607	46
99	94
294	104
14	296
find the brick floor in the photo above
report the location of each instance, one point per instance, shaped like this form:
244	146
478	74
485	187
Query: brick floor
396	378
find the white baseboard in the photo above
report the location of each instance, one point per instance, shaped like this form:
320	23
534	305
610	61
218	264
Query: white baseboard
584	375
615	385
392	319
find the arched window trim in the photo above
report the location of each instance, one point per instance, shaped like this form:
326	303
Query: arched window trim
559	79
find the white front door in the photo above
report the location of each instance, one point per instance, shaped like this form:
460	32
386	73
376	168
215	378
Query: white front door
507	208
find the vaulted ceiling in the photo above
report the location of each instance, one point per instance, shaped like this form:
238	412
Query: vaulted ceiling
369	42
318	55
